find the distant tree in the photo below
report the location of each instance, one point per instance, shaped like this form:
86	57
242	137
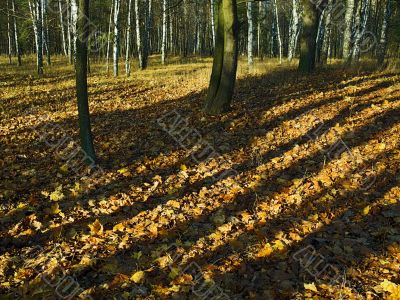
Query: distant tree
308	37
35	8
223	74
81	59
383	34
250	38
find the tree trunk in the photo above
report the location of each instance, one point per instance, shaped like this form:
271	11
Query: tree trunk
139	43
212	16
250	39
147	36
128	35
294	30
85	131
278	31
69	32
348	20
17	48
108	37
116	37
74	19
35	8
9	34
64	46
223	75
164	32
308	37
360	27
384	31
328	33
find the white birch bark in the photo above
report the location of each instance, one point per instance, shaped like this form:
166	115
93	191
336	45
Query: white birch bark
128	35
294	30
108	37
139	44
250	37
212	16
383	34
17	49
348	21
64	46
278	31
116	37
164	32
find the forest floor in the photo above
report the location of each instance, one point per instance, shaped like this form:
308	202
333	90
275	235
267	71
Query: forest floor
299	199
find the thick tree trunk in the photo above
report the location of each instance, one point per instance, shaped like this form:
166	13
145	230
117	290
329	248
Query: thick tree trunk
250	38
348	20
308	37
223	75
85	131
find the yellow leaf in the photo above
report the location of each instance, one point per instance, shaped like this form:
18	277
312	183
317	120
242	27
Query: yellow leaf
57	195
119	227
265	251
381	146
54	209
138	277
64	168
183	167
366	210
174	273
389	286
96	227
310	287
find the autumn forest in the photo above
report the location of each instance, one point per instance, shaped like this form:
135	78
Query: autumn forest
199	149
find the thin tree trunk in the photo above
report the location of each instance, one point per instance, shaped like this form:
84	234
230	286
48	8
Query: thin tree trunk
17	48
62	28
278	31
85	131
108	37
294	30
9	34
128	35
74	19
164	32
212	16
147	36
139	43
361	23
250	39
328	33
223	74
348	20
383	35
116	37
69	31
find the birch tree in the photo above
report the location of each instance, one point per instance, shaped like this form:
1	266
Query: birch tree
109	36
294	30
348	21
212	17
64	46
117	4
128	35
250	39
35	8
9	34
139	43
278	31
360	27
383	33
164	31
16	39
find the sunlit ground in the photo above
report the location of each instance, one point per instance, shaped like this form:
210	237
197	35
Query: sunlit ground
299	199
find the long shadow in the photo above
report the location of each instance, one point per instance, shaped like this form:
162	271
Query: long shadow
242	203
155	200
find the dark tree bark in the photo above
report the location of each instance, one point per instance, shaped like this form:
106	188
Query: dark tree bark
308	37
81	82
223	75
